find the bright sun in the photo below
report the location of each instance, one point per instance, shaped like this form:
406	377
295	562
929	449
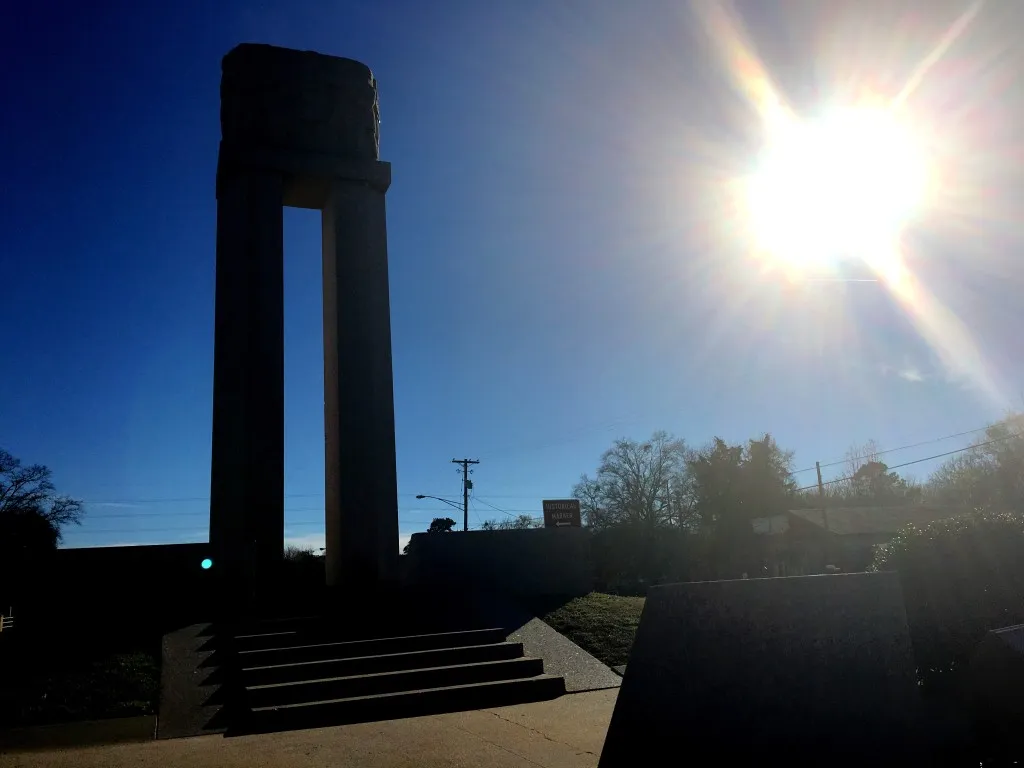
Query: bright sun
843	185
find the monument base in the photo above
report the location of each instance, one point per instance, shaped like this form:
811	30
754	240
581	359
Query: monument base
534	562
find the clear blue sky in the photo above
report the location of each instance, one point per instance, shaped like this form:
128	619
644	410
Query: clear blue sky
562	272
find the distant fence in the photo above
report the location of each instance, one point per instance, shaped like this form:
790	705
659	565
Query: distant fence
6	620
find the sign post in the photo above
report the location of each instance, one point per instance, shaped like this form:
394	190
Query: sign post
562	513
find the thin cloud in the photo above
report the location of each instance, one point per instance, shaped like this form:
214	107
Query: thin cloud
907	372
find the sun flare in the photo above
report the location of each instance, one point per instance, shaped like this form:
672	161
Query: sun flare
841	185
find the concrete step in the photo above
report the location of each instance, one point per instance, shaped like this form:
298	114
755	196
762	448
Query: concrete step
387	662
351	627
293	647
455	698
407	612
288	623
332	688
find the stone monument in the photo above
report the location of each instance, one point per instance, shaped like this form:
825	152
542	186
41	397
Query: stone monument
301	129
812	670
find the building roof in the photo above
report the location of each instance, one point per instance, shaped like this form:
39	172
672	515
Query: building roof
770	526
867	520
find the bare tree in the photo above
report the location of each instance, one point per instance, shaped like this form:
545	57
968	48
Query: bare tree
30	491
636	483
857	456
518	523
989	474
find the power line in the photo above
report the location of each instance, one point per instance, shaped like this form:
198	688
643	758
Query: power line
179	513
191	499
894	450
504	512
207	498
919	461
203	513
105	531
296	524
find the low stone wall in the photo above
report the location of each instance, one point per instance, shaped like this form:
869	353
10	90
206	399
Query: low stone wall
539	561
123	585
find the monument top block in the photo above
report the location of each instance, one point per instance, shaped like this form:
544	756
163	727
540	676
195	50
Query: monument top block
281	99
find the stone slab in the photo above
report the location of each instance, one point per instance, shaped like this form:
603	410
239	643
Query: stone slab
190	692
995	680
581	671
799	671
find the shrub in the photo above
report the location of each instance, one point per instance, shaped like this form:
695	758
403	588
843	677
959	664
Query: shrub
961	577
116	685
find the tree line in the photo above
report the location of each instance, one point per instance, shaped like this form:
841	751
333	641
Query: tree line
662	482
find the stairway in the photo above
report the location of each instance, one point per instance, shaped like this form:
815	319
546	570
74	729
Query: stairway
302	673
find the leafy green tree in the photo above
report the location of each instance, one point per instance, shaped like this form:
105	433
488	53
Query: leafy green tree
437	525
873	484
637	483
732	484
767	477
441	525
717	484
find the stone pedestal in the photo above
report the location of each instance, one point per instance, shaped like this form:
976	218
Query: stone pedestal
804	671
301	129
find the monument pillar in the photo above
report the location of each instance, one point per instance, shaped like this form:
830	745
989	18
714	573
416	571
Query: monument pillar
359	413
247	473
301	129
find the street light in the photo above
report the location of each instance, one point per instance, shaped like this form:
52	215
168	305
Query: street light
438	498
446	501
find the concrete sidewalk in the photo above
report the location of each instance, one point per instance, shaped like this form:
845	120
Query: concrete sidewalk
568	731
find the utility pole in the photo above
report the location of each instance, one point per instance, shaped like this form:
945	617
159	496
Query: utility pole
466	485
821	497
824	515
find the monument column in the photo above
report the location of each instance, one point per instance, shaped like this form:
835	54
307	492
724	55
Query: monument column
247	473
301	129
359	413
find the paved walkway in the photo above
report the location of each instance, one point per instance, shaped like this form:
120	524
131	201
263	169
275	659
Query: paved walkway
568	731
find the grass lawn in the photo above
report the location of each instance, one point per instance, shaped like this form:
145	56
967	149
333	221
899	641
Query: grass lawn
603	625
